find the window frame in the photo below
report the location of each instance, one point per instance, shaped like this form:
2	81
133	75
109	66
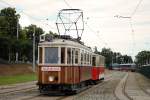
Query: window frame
70	61
94	59
64	62
82	57
58	62
40	56
78	52
76	56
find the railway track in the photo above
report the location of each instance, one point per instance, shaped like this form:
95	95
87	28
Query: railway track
130	89
44	97
124	86
68	97
15	91
17	87
104	91
134	89
58	97
17	95
18	90
119	92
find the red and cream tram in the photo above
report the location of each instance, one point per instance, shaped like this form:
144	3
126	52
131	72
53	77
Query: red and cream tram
66	65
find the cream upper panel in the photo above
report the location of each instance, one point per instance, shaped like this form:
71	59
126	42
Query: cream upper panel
62	42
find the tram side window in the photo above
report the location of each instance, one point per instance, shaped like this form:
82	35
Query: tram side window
82	57
68	55
85	58
40	54
51	55
100	61
73	55
76	56
97	61
63	55
88	58
103	61
93	61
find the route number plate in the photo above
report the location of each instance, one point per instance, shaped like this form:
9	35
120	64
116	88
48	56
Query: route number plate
51	69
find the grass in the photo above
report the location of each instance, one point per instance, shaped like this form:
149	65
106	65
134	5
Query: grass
5	80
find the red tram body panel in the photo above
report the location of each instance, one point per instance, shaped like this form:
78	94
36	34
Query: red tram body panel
98	72
98	68
95	73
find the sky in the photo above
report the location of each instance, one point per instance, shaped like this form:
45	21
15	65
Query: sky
106	22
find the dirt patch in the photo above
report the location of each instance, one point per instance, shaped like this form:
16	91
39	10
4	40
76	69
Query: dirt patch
15	69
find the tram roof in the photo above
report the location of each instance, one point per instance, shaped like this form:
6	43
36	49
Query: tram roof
65	43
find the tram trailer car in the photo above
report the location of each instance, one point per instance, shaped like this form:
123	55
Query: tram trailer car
66	65
97	68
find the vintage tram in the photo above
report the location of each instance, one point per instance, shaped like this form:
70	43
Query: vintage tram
67	65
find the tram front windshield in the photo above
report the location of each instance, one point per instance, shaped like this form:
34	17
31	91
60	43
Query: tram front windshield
51	55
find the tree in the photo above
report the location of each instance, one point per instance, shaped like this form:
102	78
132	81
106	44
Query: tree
142	58
108	54
9	44
8	31
29	31
114	57
9	20
5	48
96	50
26	50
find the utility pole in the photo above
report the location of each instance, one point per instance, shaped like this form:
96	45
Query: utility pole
17	40
33	65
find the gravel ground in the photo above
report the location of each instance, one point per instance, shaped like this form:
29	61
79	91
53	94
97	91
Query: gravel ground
18	95
16	87
15	91
143	82
134	89
120	89
102	91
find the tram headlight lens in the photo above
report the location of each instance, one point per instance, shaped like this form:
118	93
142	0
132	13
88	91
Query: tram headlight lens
51	78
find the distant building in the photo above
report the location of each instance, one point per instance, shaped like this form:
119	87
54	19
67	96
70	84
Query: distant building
124	67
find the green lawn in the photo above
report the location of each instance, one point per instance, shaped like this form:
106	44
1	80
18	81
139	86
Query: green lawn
4	80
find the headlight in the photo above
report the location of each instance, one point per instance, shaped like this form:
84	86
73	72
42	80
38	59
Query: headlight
51	78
